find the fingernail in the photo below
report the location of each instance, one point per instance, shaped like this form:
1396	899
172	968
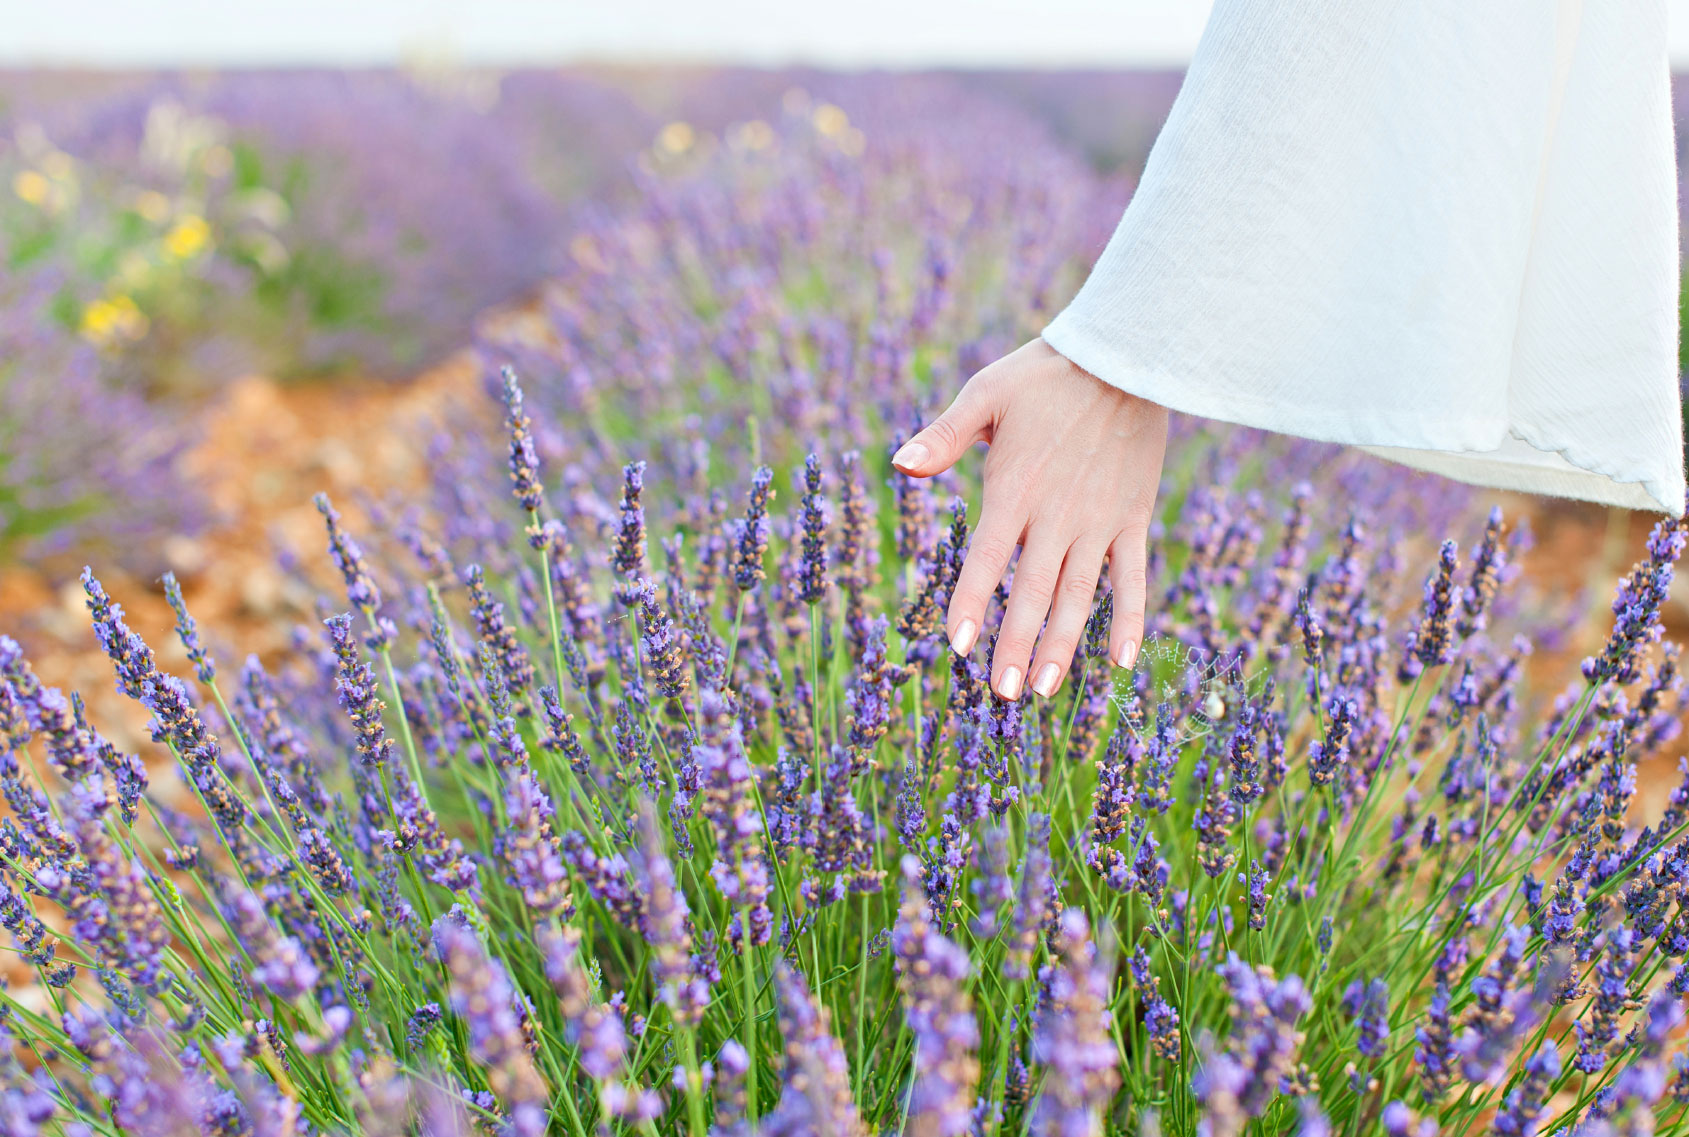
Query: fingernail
911	455
1045	684
1128	655
963	641
1009	685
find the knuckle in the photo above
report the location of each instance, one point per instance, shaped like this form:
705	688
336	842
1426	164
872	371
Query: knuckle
1037	580
1131	580
987	554
1079	589
943	432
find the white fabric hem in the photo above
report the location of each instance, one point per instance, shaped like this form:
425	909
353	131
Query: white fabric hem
1462	450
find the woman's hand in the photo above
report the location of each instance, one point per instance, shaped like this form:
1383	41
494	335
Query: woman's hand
1071	476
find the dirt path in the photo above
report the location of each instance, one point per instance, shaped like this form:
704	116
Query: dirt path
268	447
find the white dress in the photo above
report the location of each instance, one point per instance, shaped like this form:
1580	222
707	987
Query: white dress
1442	230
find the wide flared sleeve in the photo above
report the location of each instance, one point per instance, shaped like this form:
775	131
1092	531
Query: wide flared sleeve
1444	231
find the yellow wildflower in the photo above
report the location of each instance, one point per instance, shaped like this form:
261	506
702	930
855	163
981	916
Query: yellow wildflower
32	186
111	319
187	237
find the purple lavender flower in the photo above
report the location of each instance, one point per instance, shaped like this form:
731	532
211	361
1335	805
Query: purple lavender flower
281	965
812	574
349	559
660	642
869	696
485	1001
750	535
666	923
1032	909
1161	757
1161	1019
205	669
1071	1038
1257	880
595	1028
528	846
516	670
628	558
932	974
740	870
815	1097
1489	564
524	459
355	686
1370	1007
1612	998
1636	608
1523	1104
422	1023
1242	1080
1432	641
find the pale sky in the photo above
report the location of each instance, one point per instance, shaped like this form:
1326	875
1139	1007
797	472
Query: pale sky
843	33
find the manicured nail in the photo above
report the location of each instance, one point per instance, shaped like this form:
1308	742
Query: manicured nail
1048	676
913	454
963	641
1128	655
1009	685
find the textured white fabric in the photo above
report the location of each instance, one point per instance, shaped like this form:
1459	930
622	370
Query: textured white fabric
1443	230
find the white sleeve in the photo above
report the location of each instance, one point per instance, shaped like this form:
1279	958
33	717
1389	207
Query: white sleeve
1442	230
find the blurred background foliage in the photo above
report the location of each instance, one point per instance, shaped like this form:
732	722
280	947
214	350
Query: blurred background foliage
165	233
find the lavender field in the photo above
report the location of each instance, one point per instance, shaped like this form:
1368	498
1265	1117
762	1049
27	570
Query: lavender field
612	774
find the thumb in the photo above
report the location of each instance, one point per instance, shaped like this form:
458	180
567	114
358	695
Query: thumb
942	444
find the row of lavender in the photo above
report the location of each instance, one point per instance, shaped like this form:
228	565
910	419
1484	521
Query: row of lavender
712	833
656	802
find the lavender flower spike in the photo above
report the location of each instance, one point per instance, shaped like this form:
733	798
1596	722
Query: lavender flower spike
1636	608
483	997
932	974
815	1095
355	685
1071	1037
205	669
524	461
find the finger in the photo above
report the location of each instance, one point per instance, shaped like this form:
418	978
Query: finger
942	444
989	550
1034	584
1126	572
1075	593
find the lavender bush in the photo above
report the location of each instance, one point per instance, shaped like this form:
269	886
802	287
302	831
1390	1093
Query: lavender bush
687	821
